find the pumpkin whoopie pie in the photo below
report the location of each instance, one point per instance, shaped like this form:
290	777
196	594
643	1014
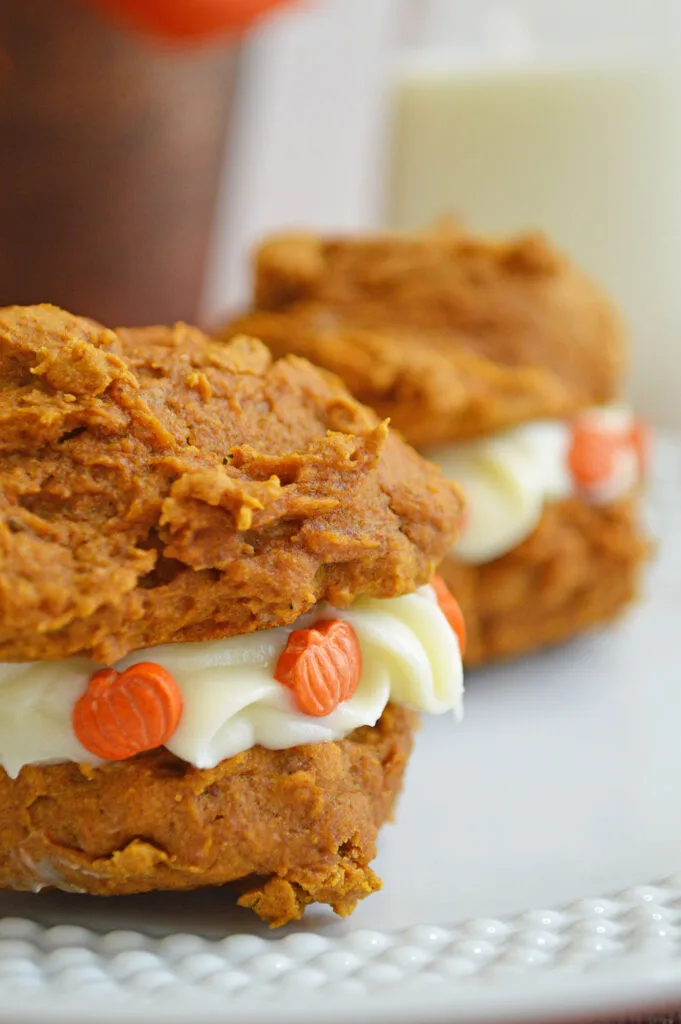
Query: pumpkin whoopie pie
216	618
502	362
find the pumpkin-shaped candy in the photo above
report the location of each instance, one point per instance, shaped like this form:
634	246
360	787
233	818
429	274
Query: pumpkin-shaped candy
322	665
126	713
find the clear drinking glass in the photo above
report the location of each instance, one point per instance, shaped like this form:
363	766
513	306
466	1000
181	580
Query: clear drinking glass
562	115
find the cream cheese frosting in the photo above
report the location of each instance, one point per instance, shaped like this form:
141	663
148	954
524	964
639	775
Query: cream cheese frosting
509	477
231	701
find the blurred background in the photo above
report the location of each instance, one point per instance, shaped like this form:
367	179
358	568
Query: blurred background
136	177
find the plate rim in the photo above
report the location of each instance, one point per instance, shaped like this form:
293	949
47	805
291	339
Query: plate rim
596	956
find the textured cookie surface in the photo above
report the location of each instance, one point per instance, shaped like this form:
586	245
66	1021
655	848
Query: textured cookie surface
298	825
157	486
450	335
579	569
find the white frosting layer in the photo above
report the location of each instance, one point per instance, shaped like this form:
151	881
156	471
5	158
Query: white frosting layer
410	656
508	478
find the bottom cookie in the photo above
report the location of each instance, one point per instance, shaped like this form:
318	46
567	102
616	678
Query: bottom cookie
577	570
300	825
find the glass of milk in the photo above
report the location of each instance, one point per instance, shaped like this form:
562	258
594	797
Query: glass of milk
561	115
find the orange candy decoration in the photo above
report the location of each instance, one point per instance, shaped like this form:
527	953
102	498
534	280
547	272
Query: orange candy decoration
593	451
188	20
322	665
123	714
639	439
451	610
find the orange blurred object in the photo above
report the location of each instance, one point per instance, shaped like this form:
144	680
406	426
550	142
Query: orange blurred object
189	20
592	453
639	437
451	610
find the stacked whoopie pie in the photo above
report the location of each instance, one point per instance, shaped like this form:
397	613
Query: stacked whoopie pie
502	362
216	616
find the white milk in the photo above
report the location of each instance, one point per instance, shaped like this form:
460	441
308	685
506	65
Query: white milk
589	152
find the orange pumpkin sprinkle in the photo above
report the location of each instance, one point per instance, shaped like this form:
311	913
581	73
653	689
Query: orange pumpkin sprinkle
322	665
126	713
451	610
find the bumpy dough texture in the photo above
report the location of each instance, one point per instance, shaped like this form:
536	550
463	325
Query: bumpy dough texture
578	570
450	335
299	825
157	486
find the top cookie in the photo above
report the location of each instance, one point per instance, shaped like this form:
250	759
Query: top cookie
450	335
157	486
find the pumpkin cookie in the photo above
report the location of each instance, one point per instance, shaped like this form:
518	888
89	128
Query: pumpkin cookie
216	617
503	363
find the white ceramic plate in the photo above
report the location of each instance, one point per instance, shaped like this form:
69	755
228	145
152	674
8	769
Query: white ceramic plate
535	868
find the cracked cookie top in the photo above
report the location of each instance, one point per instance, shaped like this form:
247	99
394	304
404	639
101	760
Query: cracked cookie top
156	486
450	335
